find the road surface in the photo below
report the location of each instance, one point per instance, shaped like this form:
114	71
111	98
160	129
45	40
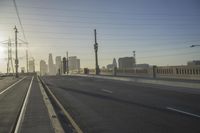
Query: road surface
110	106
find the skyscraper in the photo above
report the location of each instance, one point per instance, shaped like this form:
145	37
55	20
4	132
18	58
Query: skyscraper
51	65
58	64
74	63
43	68
31	65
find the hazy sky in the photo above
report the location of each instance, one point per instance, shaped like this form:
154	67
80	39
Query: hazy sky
160	31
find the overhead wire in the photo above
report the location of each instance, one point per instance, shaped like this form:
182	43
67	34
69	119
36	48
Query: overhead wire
96	23
18	16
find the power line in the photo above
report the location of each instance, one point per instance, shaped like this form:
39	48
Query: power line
92	17
20	22
163	49
104	12
167	55
109	23
22	32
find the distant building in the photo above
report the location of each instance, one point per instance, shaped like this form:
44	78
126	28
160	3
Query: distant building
142	66
103	68
64	65
43	68
31	65
74	63
126	62
193	63
22	69
58	64
109	66
51	65
113	65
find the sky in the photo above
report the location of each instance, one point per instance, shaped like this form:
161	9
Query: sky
160	31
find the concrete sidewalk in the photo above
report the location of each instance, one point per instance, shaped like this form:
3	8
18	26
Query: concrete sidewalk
149	81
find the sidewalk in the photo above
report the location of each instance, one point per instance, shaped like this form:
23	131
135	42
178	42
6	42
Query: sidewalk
175	83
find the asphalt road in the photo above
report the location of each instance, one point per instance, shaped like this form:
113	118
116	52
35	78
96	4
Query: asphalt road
6	81
11	100
108	106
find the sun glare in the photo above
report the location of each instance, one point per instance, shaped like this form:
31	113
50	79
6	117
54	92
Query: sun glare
2	48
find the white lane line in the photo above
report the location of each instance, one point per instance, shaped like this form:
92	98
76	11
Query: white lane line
183	112
11	86
107	91
19	121
69	117
51	112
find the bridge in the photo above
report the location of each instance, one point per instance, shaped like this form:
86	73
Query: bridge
98	104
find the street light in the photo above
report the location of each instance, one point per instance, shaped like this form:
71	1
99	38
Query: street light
194	46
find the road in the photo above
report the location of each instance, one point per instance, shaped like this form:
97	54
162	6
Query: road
110	106
11	98
22	107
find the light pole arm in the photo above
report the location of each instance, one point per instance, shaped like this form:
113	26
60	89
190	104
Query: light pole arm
194	46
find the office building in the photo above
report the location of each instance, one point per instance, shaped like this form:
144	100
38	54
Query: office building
43	68
74	63
126	62
31	65
58	64
51	65
193	63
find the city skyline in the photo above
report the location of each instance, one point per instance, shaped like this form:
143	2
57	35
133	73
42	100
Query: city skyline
159	31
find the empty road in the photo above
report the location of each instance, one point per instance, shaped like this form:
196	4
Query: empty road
110	106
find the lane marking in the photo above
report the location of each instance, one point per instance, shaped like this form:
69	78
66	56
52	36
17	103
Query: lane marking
183	112
107	91
51	112
22	113
12	86
69	117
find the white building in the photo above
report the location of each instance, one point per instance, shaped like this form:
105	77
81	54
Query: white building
51	65
31	65
43	68
58	64
74	63
126	62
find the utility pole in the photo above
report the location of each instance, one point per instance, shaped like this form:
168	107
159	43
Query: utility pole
96	54
16	55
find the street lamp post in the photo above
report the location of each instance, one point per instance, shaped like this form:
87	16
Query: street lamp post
16	55
96	54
